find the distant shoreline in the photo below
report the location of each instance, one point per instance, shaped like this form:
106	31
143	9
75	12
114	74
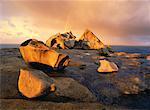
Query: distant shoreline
110	45
116	48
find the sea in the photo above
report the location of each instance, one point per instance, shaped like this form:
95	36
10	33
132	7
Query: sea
128	49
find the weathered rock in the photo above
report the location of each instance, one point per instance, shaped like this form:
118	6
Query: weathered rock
70	43
81	45
56	41
92	41
34	83
68	36
63	41
34	52
69	88
67	40
106	66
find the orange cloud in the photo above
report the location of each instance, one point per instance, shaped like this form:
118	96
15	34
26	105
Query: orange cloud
114	22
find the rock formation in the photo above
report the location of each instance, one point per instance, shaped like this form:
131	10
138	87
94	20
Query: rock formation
34	83
63	41
56	41
107	66
133	78
91	40
67	40
35	52
68	36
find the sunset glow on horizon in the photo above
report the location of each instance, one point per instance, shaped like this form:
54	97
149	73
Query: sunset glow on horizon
114	22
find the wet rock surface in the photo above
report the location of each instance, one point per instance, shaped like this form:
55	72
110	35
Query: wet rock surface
126	89
70	88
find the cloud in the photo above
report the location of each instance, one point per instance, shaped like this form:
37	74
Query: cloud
16	28
115	22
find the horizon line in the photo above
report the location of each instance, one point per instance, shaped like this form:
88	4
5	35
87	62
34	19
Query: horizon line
104	44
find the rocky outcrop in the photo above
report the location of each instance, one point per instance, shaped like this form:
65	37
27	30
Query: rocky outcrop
62	41
107	66
36	53
67	40
81	45
132	79
70	43
91	40
68	36
34	83
56	41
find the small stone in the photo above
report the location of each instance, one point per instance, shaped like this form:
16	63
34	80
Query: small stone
107	66
120	53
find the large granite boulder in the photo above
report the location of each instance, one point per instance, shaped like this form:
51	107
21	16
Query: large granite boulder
34	83
92	41
107	66
37	53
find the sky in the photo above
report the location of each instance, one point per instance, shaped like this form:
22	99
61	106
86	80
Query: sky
114	22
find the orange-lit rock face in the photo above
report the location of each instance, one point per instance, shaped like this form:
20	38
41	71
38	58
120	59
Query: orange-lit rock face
34	51
34	83
92	40
106	66
56	41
